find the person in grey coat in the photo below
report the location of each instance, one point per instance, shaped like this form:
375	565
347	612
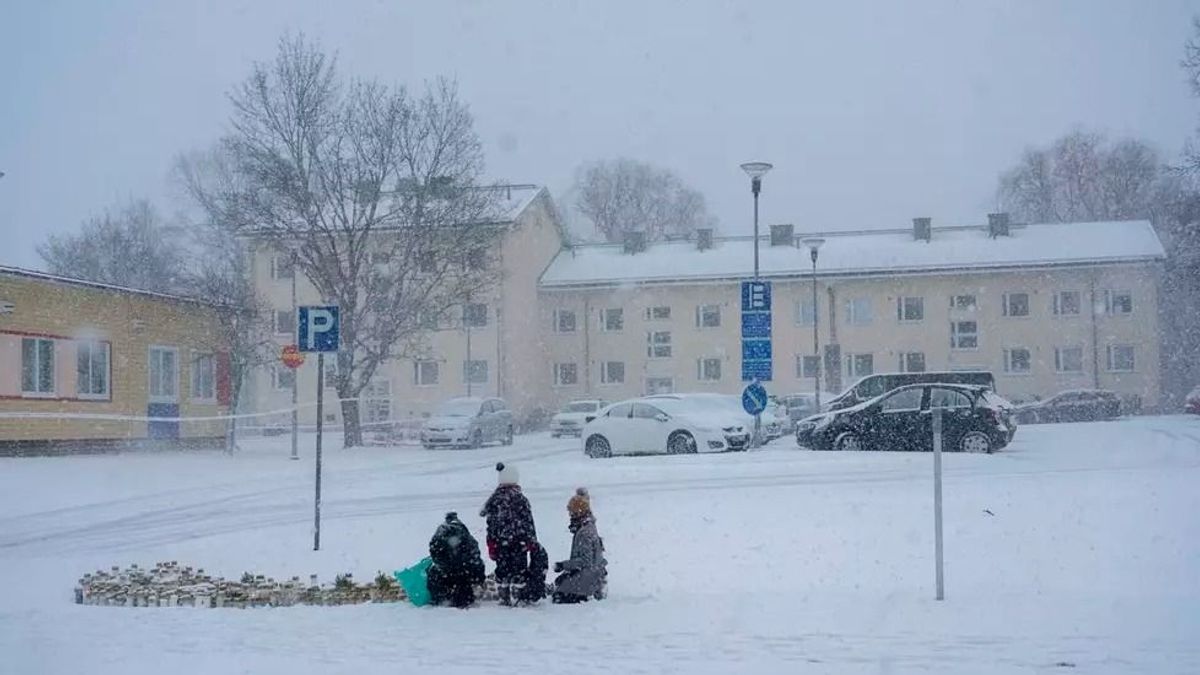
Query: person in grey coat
585	574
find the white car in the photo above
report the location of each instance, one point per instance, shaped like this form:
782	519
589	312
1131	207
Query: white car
672	424
570	420
772	427
468	423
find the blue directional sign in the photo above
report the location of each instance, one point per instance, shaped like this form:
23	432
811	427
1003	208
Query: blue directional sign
754	398
756	370
756	325
756	330
756	296
756	350
317	328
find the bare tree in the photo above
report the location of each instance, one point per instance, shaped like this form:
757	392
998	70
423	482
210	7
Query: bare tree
103	248
622	195
1191	65
376	192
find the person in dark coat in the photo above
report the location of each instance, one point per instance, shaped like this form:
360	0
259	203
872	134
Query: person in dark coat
585	574
511	535
457	565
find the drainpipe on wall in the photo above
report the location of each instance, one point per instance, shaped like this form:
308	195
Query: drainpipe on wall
587	344
499	355
1095	336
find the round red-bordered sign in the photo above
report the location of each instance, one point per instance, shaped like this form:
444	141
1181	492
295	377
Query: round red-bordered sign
291	356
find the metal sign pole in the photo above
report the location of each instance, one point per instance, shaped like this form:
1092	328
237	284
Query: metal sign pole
320	419
937	501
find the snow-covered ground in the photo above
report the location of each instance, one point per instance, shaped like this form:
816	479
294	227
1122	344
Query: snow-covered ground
1075	550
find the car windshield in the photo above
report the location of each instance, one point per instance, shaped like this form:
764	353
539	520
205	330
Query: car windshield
579	407
458	409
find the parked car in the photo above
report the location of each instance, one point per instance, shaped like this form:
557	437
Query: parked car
1192	402
669	424
881	383
570	420
1078	405
974	419
468	423
772	428
798	407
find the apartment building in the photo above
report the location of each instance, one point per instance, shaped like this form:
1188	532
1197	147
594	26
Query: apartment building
70	347
1044	307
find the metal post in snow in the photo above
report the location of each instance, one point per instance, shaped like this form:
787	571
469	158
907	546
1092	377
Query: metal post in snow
320	419
295	374
937	502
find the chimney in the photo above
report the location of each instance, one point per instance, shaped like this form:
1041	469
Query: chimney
781	235
922	229
635	241
704	238
997	225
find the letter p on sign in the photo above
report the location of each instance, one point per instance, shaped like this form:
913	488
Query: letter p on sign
318	329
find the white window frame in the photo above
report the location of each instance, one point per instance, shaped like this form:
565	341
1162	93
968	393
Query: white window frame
957	335
860	311
418	373
289	321
1006	305
800	369
1009	369
558	371
606	376
1110	350
658	313
804	318
38	392
971	306
902	308
277	383
710	310
658	348
466	371
702	373
89	346
559	314
160	397
1056	303
472	324
852	369
196	378
606	313
906	359
376	398
277	265
668	379
1059	360
1110	305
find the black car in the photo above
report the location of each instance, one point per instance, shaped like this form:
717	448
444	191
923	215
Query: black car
974	419
1079	405
881	383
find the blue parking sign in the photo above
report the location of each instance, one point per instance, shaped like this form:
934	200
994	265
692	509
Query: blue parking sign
317	328
756	296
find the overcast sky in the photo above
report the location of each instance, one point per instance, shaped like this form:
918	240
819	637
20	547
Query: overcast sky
871	112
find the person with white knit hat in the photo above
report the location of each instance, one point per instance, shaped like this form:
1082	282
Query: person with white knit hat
511	534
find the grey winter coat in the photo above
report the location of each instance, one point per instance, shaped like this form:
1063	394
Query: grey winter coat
584	574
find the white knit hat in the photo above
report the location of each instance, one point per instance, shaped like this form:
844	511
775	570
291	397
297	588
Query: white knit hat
506	474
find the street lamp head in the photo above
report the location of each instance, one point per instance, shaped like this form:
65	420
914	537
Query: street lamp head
814	245
756	169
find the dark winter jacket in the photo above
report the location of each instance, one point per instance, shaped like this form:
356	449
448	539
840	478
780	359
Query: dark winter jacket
586	570
455	551
509	517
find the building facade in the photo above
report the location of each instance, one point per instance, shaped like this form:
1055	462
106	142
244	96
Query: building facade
77	358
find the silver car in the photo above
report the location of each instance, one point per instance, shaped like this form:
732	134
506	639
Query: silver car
468	423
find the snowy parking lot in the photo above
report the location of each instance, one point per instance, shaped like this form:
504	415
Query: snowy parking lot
1077	547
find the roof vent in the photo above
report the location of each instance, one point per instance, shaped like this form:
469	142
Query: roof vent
997	225
781	235
635	241
704	238
922	229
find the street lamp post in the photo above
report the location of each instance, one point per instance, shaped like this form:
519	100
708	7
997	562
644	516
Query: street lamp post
814	245
756	170
295	374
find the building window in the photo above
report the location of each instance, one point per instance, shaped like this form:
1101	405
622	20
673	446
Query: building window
708	316
565	374
331	371
708	370
807	366
425	373
377	401
475	315
1118	303
282	377
658	344
1068	359
910	309
612	372
428	319
612	319
806	312
37	366
204	377
858	311
964	335
285	322
91	369
1016	304
1066	303
1017	361
963	303
859	365
1120	359
281	267
659	385
912	362
164	374
564	321
659	313
475	371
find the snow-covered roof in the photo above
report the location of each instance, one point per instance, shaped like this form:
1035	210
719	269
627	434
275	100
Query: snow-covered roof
868	252
71	281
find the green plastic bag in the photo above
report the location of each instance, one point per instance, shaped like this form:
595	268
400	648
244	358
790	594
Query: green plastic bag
414	582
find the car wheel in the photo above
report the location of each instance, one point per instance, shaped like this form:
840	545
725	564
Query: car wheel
975	441
508	437
681	443
848	441
597	447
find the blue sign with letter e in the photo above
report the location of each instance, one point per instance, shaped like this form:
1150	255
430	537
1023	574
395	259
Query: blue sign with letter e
756	296
756	325
317	328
